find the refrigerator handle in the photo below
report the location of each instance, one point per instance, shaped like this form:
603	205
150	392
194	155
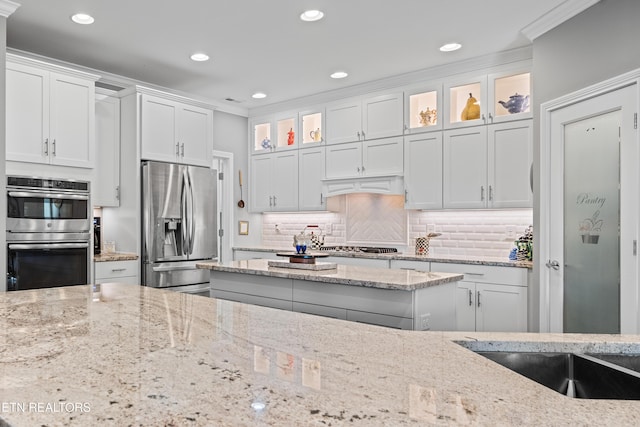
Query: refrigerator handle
192	214
183	214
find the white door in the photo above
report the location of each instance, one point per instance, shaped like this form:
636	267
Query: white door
72	115
383	157
589	280
310	175
382	116
158	132
27	114
261	183
510	158
285	181
465	306
344	122
423	171
501	308
223	163
465	168
344	160
194	133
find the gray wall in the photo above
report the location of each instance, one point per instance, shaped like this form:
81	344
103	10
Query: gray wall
598	44
230	134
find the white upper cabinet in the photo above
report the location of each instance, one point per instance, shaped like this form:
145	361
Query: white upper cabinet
379	157
423	171
359	119
311	167
274	182
510	151
105	191
173	131
50	114
465	168
488	166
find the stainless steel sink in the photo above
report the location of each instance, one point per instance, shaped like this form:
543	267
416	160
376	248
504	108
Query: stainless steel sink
577	375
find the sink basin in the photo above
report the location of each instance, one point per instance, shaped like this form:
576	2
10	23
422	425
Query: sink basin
576	375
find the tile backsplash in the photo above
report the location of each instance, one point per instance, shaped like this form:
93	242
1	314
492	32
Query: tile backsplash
360	219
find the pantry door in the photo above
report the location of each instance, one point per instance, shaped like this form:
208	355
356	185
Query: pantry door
590	269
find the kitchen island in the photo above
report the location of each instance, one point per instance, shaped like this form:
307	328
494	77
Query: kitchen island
128	355
404	299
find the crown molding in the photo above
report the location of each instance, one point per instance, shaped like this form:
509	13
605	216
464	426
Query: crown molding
7	7
518	58
555	17
116	82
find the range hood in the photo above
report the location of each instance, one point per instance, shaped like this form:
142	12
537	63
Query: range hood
390	184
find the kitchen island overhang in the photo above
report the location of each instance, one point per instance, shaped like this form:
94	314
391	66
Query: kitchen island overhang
403	299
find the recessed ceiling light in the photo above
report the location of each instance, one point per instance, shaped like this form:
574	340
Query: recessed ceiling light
199	57
311	15
82	18
450	47
259	95
339	75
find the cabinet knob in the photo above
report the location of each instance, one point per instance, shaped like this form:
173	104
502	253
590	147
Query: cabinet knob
470	297
46	147
478	298
182	150
358	169
482	193
358	136
490	193
178	148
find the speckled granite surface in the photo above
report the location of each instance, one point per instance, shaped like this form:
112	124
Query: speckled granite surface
382	278
500	262
129	355
115	256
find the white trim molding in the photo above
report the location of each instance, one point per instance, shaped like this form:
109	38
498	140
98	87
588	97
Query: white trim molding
555	17
7	7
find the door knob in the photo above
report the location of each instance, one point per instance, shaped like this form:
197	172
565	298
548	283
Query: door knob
553	264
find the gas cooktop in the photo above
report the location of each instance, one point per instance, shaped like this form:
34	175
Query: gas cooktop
366	249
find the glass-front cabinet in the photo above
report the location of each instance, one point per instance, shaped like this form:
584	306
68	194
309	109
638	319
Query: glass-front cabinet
260	131
510	96
312	127
487	99
286	135
465	102
423	106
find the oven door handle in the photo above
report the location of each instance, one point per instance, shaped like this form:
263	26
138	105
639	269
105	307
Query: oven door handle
27	246
32	195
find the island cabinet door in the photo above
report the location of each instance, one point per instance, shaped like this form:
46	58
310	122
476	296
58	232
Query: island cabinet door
466	306
501	308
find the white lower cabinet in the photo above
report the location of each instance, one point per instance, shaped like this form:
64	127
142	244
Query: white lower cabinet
240	255
116	272
490	307
490	298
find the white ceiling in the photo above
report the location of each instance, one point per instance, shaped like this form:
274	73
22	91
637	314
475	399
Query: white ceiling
258	45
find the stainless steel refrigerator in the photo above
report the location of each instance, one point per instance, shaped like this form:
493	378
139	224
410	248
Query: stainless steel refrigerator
178	225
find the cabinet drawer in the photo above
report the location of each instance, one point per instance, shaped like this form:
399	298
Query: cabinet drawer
514	276
115	269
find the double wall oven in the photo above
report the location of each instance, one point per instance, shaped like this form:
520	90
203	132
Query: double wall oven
48	232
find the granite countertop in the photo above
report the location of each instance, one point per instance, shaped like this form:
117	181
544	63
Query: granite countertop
383	278
126	355
115	256
460	259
